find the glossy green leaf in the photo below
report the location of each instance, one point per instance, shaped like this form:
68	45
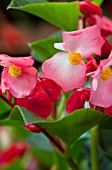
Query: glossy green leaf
69	128
4	109
44	49
62	14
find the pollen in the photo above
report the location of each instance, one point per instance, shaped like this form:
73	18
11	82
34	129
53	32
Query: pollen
106	74
74	58
15	71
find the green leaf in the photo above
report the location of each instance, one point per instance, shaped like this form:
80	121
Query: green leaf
26	2
44	49
4	109
97	2
62	14
69	128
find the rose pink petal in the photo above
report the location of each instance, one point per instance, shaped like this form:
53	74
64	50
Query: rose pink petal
102	96
51	88
87	41
107	26
66	75
20	86
26	61
38	102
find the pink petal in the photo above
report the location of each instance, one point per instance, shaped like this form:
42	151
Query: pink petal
21	86
106	62
87	41
66	75
38	102
103	94
107	26
51	88
26	61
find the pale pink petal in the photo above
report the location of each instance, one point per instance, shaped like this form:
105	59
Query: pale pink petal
26	61
21	86
66	75
103	94
95	84
60	46
87	41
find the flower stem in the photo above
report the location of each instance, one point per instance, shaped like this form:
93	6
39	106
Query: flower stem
94	148
60	149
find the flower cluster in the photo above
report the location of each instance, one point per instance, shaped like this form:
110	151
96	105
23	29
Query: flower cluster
66	70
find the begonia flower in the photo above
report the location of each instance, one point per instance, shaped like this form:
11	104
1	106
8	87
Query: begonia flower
101	87
77	99
67	68
18	76
41	99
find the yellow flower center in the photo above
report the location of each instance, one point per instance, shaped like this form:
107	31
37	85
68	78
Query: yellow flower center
15	71
106	74
74	58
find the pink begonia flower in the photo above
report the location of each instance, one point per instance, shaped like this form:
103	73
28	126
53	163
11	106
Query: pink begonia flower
41	99
67	68
101	88
77	100
89	8
18	76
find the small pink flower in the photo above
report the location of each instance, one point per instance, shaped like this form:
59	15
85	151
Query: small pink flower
101	88
67	68
18	76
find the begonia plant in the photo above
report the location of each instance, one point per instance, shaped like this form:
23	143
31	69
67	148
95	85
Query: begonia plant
62	109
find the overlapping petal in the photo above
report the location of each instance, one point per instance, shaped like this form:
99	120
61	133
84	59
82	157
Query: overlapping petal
59	69
51	88
38	102
87	41
102	96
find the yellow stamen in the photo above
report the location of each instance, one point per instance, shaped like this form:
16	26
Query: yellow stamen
15	71
74	58
106	74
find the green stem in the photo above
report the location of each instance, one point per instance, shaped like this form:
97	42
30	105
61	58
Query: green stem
94	148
